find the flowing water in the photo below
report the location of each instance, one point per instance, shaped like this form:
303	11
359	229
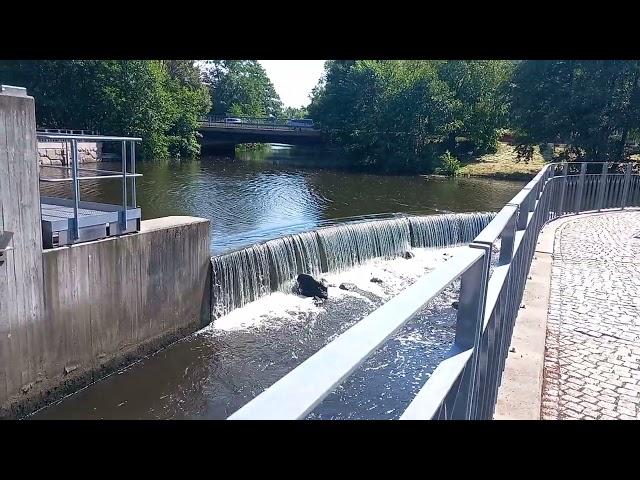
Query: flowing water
250	201
243	276
261	330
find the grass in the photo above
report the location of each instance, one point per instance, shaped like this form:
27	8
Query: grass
503	164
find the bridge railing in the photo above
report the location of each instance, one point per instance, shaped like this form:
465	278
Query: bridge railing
464	385
60	131
263	123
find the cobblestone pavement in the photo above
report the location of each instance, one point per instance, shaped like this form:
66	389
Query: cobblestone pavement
592	357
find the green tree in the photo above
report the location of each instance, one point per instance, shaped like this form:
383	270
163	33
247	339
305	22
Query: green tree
241	88
400	115
117	97
592	106
295	112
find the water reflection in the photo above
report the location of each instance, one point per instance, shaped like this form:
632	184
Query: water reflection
265	195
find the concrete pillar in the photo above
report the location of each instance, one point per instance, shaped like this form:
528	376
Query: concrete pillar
21	278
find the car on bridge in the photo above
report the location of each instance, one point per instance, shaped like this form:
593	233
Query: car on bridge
233	120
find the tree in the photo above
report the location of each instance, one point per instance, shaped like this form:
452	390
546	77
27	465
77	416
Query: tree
592	106
159	101
295	112
241	88
401	115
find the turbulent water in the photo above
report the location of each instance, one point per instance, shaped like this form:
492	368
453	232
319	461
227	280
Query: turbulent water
246	275
262	330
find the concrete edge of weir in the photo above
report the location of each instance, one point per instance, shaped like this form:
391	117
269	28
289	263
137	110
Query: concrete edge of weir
520	393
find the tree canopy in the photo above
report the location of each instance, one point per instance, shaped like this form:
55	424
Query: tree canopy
160	101
591	105
241	88
389	115
401	115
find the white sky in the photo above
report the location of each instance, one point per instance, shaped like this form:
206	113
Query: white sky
294	79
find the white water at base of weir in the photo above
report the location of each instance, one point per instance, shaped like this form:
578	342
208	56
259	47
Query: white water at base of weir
246	275
278	308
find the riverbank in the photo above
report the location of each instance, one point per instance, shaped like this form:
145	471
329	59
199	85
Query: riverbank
503	165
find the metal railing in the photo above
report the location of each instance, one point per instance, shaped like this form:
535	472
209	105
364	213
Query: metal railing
63	131
71	142
262	123
464	385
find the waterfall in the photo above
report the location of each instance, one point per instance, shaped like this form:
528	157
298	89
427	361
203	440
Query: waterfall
352	244
438	231
245	275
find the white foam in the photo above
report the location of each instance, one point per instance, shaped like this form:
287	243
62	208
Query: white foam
395	274
280	308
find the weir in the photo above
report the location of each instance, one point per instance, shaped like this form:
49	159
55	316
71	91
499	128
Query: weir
245	275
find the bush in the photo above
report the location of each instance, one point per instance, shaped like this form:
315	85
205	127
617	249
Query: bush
449	165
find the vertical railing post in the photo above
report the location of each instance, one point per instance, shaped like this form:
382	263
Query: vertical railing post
124	185
507	239
527	205
75	183
134	202
602	186
578	202
469	323
563	188
625	186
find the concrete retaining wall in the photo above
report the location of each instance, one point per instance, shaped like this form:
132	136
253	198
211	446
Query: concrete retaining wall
55	153
112	301
71	315
21	292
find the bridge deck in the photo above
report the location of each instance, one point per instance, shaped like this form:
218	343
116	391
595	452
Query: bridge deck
95	221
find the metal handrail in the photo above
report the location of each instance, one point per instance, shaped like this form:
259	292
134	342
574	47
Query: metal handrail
72	140
465	385
262	123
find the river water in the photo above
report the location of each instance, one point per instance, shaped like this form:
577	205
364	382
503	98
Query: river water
271	194
212	373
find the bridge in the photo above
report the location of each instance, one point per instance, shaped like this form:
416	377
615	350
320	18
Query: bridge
220	134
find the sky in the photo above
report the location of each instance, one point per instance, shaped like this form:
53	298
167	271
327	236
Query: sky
294	79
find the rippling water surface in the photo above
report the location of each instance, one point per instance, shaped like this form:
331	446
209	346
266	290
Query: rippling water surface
214	372
249	201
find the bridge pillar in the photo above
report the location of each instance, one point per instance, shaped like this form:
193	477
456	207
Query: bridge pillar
21	277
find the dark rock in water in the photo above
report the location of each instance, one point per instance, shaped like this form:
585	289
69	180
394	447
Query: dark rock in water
455	304
408	255
310	287
347	286
375	280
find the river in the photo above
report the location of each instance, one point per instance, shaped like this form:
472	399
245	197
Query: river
212	373
267	195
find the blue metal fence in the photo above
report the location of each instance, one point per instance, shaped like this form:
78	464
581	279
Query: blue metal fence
465	385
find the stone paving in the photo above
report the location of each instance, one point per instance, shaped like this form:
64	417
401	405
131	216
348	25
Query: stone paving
592	357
